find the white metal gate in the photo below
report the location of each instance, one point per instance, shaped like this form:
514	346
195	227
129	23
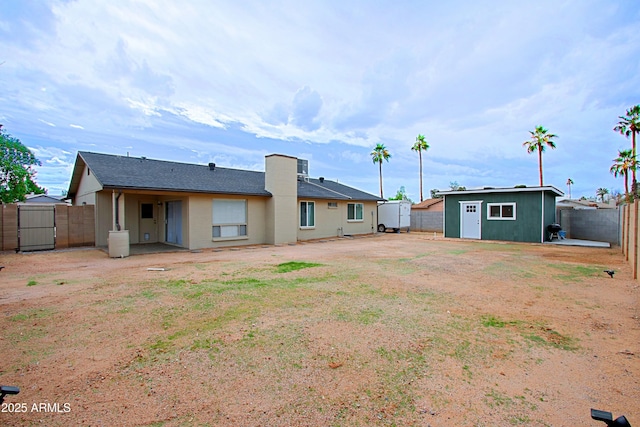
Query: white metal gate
36	228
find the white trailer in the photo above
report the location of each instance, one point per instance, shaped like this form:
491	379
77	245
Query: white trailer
394	215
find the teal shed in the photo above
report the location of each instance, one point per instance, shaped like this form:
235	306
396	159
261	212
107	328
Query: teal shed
519	214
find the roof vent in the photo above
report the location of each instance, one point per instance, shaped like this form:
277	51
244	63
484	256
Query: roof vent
321	179
212	166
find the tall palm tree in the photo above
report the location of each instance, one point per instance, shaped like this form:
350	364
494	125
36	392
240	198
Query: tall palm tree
623	164
630	125
601	192
420	145
380	153
569	184
539	139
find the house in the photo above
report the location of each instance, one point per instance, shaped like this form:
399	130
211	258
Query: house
584	204
207	206
519	214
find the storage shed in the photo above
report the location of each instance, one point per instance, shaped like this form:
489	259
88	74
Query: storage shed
519	214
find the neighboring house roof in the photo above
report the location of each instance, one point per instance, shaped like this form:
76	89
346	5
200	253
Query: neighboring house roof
487	190
42	198
139	173
583	204
429	204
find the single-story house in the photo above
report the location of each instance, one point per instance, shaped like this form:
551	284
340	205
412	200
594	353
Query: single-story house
519	214
206	206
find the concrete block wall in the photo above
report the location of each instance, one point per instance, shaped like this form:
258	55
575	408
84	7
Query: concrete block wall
422	220
602	225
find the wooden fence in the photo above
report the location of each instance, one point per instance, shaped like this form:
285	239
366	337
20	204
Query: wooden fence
74	226
630	236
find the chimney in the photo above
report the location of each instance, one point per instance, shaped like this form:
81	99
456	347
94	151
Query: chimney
321	179
212	166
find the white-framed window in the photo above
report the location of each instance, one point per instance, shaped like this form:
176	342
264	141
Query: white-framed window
307	214
355	211
229	219
506	211
332	205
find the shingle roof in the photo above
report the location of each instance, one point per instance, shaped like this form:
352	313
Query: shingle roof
316	189
124	172
145	174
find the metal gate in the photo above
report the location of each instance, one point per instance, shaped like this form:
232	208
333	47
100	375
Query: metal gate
36	228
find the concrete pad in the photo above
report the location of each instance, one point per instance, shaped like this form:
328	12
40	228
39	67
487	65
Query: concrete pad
578	242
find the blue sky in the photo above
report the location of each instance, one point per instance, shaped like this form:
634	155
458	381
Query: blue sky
229	82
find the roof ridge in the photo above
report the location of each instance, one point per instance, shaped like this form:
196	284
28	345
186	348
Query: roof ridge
328	189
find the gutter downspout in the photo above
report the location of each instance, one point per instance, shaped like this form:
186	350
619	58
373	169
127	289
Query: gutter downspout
118	211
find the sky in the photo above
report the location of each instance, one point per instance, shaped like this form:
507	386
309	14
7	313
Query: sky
229	82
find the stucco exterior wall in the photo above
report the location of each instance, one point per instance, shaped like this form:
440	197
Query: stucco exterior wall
200	220
332	221
281	214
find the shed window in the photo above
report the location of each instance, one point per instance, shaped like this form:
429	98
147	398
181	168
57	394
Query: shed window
229	218
506	211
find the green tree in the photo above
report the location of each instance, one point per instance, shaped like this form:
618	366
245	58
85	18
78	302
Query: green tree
434	194
380	153
622	165
601	192
540	139
420	145
630	125
453	185
401	195
569	184
17	174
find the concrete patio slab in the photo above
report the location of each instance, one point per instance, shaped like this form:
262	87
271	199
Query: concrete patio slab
578	242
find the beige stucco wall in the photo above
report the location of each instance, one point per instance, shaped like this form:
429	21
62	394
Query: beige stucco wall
282	213
201	216
329	220
87	188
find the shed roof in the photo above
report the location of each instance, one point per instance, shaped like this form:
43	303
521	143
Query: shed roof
487	190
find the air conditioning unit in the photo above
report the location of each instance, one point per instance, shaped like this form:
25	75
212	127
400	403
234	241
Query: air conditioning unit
303	168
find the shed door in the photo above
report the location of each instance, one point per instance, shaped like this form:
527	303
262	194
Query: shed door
470	220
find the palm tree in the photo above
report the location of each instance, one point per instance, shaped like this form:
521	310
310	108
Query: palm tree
630	125
539	139
380	153
420	146
569	184
601	192
624	163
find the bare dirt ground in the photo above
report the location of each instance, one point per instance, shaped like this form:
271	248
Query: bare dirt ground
406	330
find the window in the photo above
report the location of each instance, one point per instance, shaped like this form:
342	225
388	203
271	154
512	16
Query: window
229	219
307	214
332	205
146	211
501	211
355	211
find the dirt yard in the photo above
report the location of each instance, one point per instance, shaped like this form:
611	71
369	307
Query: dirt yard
392	330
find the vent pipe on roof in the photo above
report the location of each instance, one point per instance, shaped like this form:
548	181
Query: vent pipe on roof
212	166
321	179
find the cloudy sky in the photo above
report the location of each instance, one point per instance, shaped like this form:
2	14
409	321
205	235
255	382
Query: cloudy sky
231	81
